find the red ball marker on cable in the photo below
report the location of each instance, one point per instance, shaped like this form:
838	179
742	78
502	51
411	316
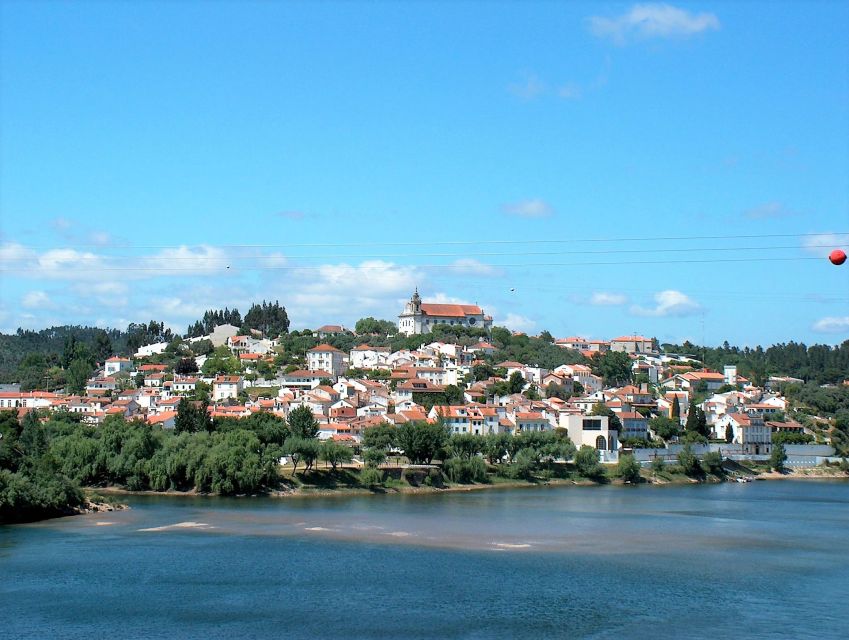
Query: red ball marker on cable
838	256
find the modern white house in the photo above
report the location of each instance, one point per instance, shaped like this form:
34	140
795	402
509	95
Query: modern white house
420	317
592	431
115	365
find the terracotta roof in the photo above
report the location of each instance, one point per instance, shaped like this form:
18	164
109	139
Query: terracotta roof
451	310
324	348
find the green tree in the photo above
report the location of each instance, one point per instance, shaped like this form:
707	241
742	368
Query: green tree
729	434
587	463
515	383
335	453
601	409
712	463
613	366
628	468
778	457
688	461
302	423
78	374
421	442
676	409
465	446
304	450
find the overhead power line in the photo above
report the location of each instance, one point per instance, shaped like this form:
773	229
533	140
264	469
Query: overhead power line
429	243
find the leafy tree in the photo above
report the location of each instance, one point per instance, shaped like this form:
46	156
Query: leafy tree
613	366
482	372
587	463
554	390
689	462
374	457
304	450
371	326
628	468
465	471
712	463
696	422
532	393
787	437
78	374
546	336
465	446
186	366
335	453
371	477
269	318
778	457
302	423
601	409
515	383
454	395
421	442
379	437
496	446
729	434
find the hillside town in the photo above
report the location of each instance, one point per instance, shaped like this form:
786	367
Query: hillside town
462	385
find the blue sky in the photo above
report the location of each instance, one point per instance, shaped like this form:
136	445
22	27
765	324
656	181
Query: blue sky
678	170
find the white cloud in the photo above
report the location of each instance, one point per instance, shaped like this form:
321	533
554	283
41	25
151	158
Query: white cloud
821	244
767	211
570	91
186	261
472	267
534	208
651	20
36	300
530	88
832	325
603	298
669	303
515	322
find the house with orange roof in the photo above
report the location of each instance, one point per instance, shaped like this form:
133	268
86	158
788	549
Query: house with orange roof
166	420
327	358
226	387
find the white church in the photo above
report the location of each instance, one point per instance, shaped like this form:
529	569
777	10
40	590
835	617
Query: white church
419	317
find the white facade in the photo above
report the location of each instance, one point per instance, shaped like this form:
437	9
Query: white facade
592	431
116	365
326	358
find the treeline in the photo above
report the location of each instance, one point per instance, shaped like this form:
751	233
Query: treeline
820	363
32	483
270	318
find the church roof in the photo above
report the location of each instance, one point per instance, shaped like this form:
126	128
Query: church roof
451	310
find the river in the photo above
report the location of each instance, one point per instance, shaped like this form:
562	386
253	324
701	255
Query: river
759	560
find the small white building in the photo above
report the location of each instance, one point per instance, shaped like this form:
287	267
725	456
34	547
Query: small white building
226	387
326	358
592	431
115	365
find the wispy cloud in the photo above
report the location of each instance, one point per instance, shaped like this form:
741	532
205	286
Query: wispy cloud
534	208
515	322
651	20
36	300
832	324
669	303
570	91
768	211
605	299
821	244
472	267
529	88
76	232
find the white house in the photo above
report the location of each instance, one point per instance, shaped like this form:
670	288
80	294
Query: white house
115	365
593	431
365	357
327	358
226	387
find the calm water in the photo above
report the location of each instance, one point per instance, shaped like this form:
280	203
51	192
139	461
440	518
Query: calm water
763	560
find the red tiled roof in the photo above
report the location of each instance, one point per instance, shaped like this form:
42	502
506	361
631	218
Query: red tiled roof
451	310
